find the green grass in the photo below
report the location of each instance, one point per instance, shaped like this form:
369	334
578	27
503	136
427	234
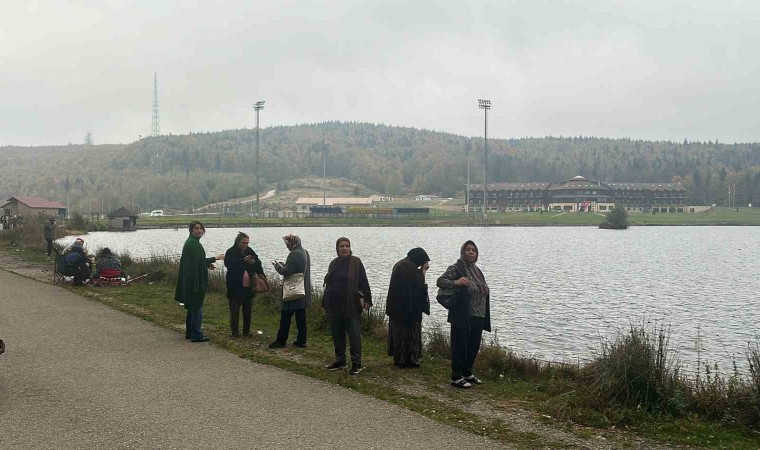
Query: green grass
582	400
718	216
551	390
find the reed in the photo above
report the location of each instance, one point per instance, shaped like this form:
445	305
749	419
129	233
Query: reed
437	341
637	370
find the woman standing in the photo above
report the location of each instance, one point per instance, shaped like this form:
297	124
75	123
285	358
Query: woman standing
193	281
407	300
469	315
242	263
297	262
347	294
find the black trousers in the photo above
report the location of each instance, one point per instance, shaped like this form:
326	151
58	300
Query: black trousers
235	304
339	327
83	274
285	318
465	345
49	245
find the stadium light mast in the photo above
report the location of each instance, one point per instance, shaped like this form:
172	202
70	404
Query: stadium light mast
324	173
485	105
467	203
258	106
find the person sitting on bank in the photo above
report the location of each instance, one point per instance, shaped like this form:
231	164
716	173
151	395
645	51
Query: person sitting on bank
77	259
77	241
108	265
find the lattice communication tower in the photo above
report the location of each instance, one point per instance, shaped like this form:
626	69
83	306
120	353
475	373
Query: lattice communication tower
156	129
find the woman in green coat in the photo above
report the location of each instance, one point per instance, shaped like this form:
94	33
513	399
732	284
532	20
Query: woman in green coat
193	281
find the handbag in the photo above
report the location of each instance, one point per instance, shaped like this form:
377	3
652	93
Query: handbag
293	287
260	284
447	297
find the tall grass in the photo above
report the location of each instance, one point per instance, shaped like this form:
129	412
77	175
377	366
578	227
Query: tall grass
637	370
28	234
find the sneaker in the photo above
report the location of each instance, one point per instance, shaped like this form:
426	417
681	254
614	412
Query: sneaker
276	344
460	383
472	379
355	370
336	366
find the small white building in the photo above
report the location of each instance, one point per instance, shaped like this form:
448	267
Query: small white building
426	197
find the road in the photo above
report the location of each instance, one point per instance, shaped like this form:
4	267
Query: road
78	374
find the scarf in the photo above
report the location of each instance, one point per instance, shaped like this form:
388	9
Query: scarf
473	272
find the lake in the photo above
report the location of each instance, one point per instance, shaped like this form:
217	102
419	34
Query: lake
556	291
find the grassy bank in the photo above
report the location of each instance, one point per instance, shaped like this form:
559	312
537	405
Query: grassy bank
633	384
715	217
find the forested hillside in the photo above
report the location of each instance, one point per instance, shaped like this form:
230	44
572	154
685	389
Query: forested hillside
195	169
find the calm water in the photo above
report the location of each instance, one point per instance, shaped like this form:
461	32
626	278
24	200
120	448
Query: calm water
555	291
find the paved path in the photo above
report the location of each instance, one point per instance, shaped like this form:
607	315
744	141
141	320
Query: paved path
78	374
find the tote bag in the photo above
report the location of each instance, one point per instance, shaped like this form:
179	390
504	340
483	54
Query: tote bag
293	287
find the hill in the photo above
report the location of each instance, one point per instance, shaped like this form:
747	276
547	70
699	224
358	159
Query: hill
203	168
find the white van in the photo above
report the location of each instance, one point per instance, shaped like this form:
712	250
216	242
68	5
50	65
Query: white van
157	213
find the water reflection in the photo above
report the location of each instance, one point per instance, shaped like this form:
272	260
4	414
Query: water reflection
556	291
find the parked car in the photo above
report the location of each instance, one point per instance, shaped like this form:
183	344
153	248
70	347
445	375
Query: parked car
157	213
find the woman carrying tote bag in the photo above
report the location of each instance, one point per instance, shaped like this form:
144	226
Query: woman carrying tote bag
296	264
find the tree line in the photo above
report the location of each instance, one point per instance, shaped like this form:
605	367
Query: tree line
199	168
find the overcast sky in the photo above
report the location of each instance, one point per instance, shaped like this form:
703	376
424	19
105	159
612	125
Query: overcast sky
642	69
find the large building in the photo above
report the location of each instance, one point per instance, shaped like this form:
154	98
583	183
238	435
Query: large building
31	207
581	194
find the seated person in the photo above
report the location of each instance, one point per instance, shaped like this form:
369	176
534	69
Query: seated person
108	265
77	241
77	258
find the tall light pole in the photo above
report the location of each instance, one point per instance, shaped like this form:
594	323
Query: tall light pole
485	105
258	106
467	204
324	173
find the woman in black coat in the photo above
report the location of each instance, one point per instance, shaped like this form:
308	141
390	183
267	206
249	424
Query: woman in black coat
469	315
345	282
406	302
242	265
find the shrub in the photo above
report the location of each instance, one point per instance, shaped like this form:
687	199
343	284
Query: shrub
617	218
77	222
437	342
636	371
374	320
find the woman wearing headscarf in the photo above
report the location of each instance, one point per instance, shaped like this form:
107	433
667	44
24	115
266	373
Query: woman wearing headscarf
347	294
242	265
193	281
407	300
297	262
469	315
